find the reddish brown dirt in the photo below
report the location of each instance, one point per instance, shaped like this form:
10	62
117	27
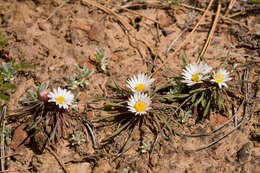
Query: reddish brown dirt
73	34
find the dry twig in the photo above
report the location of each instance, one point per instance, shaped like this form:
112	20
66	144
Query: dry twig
187	38
60	6
58	159
211	32
231	4
221	16
127	27
216	130
192	17
2	127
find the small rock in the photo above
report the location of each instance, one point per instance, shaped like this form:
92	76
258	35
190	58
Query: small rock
82	27
243	153
38	142
109	26
96	33
179	11
43	26
18	138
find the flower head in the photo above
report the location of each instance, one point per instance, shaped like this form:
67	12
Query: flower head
61	97
140	83
221	77
139	103
44	96
194	73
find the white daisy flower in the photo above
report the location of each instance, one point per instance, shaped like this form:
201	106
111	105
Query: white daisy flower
61	97
194	73
139	103
140	83
221	77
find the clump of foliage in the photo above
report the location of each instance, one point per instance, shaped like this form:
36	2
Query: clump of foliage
7	134
133	107
77	138
146	146
8	70
39	113
100	59
34	94
199	97
7	75
202	99
80	78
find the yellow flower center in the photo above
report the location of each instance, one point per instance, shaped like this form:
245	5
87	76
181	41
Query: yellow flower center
195	77
60	99
140	106
219	78
140	87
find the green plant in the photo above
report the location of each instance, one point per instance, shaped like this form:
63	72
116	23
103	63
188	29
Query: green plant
77	138
204	98
40	112
34	94
80	78
7	134
145	147
100	59
7	76
3	41
184	115
175	2
8	71
141	109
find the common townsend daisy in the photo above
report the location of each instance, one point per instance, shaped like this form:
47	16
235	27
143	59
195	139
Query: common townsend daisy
139	103
221	77
194	73
140	83
61	97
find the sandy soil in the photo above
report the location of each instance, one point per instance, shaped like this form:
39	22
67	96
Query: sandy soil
73	33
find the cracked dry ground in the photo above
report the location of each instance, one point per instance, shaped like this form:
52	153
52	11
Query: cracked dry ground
73	34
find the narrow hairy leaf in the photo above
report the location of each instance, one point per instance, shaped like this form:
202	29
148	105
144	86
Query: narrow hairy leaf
8	85
219	101
4	96
203	102
22	66
194	97
206	110
199	100
185	59
120	129
197	90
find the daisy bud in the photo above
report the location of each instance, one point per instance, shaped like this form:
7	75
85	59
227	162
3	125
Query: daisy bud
44	96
